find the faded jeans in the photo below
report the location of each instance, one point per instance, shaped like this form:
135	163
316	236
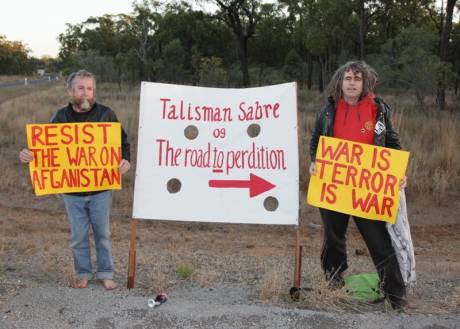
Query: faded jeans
83	212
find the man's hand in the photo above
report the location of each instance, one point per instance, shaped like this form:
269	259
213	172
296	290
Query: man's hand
403	183
312	169
26	156
124	166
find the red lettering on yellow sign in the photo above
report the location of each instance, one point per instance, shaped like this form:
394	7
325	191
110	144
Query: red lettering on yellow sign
75	157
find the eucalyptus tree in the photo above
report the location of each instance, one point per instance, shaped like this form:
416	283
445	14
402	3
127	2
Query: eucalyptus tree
241	16
141	27
444	53
14	57
196	34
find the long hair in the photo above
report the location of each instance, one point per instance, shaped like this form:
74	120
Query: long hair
334	89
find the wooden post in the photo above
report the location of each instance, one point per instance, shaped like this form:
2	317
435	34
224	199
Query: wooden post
299	272
298	260
132	255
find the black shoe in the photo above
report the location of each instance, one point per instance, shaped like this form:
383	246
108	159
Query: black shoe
297	292
397	303
335	281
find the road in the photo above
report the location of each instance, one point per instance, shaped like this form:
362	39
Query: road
226	306
17	83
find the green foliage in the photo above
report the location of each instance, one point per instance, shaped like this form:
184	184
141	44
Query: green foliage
265	75
184	271
102	66
14	57
265	43
212	74
272	40
293	67
172	68
408	62
234	75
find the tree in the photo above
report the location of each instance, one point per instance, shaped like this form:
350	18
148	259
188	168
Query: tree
120	39
324	32
141	28
102	66
443	54
366	11
250	40
211	72
271	42
200	35
14	57
455	56
173	63
293	67
408	62
241	16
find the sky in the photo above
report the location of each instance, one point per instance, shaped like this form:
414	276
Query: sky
38	23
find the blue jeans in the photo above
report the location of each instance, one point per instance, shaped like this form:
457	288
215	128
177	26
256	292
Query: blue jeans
82	212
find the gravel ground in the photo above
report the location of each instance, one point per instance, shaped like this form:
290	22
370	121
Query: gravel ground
228	306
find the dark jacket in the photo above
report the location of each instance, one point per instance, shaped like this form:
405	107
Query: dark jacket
98	113
384	133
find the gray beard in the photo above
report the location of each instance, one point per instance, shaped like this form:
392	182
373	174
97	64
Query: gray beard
85	105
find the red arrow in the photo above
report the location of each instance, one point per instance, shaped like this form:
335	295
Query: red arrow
255	184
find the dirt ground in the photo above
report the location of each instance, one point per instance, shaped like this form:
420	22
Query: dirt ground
172	255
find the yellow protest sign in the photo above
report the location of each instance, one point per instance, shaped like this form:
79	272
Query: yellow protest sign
74	157
357	179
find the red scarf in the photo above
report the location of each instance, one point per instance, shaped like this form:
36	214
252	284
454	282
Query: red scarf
356	122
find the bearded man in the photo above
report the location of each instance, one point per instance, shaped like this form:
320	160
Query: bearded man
85	209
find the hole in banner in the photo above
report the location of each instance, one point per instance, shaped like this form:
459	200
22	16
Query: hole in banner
253	130
271	203
173	185
191	132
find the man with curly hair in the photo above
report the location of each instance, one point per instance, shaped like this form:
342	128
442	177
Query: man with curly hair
354	113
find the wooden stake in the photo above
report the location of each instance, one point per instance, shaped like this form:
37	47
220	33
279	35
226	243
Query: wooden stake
298	259
132	255
299	272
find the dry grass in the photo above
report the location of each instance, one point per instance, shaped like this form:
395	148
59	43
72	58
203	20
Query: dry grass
272	286
8	93
35	232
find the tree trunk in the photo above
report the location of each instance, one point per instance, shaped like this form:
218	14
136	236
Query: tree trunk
456	86
243	55
141	70
241	16
309	71
119	73
320	76
456	69
443	53
362	28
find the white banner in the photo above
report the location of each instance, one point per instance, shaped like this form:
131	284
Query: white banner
217	155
